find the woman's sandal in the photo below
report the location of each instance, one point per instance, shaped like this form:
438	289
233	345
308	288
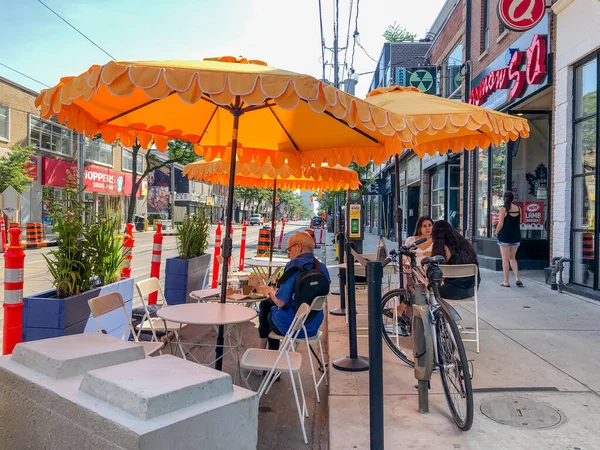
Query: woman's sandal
519	283
504	285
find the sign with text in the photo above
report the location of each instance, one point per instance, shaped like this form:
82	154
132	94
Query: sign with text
517	74
55	173
31	168
533	213
355	221
521	15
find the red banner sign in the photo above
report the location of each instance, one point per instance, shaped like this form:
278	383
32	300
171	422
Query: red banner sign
95	179
533	213
521	15
31	168
535	70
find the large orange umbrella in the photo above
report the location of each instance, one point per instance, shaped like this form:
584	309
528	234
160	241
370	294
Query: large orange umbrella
277	116
444	124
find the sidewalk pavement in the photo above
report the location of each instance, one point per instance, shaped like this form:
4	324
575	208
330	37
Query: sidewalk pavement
536	344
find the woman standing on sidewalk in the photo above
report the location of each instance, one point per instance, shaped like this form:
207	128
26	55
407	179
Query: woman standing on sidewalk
508	232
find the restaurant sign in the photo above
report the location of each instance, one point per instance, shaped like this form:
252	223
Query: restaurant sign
56	172
525	68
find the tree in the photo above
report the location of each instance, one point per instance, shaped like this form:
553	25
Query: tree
246	194
396	33
12	171
181	152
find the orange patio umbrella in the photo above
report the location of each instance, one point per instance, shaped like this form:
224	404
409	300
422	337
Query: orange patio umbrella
444	124
252	175
275	115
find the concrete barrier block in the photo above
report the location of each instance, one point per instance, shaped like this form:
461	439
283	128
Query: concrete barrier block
156	386
68	356
90	392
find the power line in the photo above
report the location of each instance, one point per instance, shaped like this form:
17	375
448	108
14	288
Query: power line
322	39
345	65
65	21
355	37
22	74
363	49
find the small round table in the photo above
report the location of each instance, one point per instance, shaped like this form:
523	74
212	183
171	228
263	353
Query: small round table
262	266
215	315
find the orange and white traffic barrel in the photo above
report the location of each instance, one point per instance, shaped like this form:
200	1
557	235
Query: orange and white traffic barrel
14	262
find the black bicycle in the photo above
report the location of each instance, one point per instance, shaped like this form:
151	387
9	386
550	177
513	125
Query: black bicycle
429	332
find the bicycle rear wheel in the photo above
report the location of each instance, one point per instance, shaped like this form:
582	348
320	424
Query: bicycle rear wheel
454	370
396	324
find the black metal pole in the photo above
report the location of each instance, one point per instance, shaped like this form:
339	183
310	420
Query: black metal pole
227	245
271	243
341	311
374	279
352	363
399	218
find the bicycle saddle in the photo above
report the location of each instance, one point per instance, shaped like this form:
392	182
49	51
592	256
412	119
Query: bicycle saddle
439	259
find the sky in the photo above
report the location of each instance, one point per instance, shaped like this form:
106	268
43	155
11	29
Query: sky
283	33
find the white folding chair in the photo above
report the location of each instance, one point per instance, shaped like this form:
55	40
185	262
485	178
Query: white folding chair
110	302
149	323
278	361
465	271
317	305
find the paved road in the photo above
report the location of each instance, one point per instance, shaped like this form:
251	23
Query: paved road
37	277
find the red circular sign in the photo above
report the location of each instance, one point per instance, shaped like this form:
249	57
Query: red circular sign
521	15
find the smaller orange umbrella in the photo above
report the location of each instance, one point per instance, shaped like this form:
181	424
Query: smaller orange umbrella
252	175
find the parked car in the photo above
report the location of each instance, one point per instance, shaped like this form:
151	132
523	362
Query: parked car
316	221
256	219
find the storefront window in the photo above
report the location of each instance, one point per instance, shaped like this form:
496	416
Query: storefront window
128	162
498	182
47	135
530	178
482	193
97	150
452	75
454	196
585	138
437	195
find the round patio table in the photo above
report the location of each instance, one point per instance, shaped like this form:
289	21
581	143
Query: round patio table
264	268
212	314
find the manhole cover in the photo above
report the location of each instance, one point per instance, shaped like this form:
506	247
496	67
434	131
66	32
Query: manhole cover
520	412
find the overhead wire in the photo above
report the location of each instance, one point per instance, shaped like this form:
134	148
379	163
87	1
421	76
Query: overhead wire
345	65
67	22
24	75
322	39
354	36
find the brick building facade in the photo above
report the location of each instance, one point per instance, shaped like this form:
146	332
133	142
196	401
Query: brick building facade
107	174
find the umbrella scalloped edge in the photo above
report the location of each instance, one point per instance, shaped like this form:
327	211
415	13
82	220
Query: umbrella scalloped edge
203	78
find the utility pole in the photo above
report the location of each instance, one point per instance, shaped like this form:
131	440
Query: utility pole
336	72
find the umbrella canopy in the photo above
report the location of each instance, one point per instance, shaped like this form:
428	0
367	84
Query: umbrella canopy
253	175
285	117
444	124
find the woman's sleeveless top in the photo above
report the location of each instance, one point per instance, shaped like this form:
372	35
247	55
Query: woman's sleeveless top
511	230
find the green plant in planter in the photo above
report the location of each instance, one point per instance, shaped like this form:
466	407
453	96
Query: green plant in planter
87	255
71	263
192	237
103	237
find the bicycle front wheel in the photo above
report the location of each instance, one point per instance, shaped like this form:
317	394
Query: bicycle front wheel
454	370
396	317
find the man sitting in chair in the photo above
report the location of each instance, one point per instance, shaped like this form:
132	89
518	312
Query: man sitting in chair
304	279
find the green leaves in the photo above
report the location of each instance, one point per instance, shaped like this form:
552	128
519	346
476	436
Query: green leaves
11	168
87	254
396	33
192	237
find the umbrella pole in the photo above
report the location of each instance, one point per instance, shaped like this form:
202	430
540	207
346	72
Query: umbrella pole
227	245
398	213
271	246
